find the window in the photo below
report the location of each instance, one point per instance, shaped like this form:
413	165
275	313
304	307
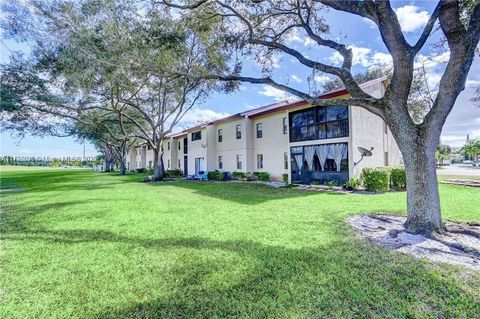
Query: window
220	135
196	136
239	161
149	147
319	123
149	164
220	162
179	145
385	127
168	163
385	158
259	161
285	125
259	130
285	160
238	131
168	146
179	164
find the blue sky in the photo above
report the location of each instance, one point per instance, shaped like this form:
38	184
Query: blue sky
368	50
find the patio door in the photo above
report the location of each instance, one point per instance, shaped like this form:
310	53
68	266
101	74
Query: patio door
198	165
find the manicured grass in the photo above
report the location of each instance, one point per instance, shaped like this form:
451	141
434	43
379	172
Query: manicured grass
78	244
468	177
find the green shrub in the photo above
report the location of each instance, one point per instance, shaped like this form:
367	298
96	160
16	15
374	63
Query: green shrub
331	183
315	183
215	176
376	179
239	175
285	178
262	176
352	184
174	173
140	170
398	178
149	171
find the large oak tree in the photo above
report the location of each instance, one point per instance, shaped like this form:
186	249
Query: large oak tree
126	59
261	28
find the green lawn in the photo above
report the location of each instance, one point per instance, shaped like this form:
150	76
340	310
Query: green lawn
78	244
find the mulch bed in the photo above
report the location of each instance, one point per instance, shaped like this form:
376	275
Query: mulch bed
459	245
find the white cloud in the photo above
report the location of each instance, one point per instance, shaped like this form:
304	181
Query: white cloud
196	116
432	61
296	78
251	106
370	23
322	79
380	58
364	57
473	83
464	119
411	18
276	94
271	60
308	42
294	37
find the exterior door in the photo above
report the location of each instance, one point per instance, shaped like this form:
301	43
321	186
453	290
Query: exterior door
185	165
198	165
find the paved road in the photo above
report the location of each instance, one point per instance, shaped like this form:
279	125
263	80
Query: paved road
459	169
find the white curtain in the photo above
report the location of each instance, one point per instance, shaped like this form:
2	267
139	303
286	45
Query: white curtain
338	152
298	159
309	153
322	153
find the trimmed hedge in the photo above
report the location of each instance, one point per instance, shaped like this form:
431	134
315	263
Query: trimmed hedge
239	175
398	178
262	176
215	176
376	179
174	173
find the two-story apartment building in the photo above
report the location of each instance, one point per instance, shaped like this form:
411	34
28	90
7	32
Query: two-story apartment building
306	142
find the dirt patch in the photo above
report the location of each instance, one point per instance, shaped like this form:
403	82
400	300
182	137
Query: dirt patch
460	245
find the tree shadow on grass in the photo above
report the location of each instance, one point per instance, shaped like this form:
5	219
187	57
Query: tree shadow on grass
16	217
341	278
241	192
61	180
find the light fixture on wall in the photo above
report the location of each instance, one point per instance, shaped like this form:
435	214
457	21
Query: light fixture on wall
365	153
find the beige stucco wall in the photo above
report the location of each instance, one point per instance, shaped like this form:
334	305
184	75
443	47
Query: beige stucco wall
149	158
368	130
196	149
230	145
131	159
272	145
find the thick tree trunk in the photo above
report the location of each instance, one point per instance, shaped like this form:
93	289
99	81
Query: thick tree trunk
108	166
123	167
423	201
158	168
